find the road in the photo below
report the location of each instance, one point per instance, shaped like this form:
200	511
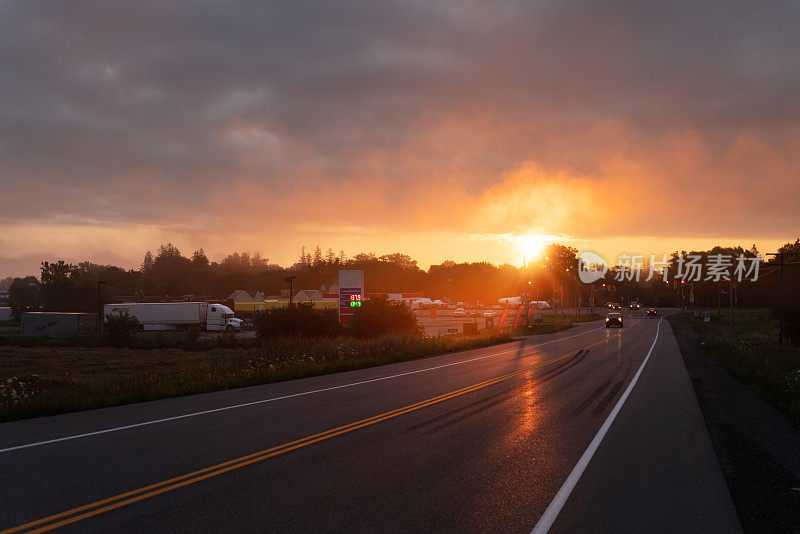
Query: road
445	322
484	440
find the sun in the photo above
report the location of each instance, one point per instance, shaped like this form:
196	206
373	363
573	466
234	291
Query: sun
532	245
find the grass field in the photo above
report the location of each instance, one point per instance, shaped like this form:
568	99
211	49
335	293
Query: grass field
750	350
38	381
9	330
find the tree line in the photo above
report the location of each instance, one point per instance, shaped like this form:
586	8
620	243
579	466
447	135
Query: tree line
168	274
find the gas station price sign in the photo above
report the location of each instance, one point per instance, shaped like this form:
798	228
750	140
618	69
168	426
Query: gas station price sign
349	299
351	293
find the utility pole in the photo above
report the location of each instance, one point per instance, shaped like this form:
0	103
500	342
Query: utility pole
290	279
100	317
527	299
780	256
730	297
555	317
527	308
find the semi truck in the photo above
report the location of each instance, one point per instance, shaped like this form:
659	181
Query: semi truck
176	315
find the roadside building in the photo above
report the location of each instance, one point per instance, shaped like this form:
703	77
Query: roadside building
308	295
241	295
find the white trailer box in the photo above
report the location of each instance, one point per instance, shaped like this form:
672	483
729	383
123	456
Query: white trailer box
174	315
59	324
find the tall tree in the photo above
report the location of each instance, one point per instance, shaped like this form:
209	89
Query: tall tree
199	259
23	296
330	256
147	264
401	260
57	287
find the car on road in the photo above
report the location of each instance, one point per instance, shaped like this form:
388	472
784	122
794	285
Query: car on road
651	312
459	312
615	306
614	319
635	305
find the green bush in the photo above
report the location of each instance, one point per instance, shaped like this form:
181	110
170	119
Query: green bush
120	327
297	319
380	317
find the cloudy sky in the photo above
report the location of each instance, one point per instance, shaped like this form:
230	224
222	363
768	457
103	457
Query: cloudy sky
439	129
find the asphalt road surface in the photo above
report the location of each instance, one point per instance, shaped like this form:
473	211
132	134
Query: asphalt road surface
588	430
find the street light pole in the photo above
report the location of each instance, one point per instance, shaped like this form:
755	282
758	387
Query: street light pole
290	279
449	292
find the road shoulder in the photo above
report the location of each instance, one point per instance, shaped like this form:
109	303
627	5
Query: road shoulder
758	446
656	470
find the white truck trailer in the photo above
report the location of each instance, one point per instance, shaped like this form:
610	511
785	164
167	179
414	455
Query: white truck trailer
175	315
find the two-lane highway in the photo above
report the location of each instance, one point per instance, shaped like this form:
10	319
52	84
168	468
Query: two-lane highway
480	440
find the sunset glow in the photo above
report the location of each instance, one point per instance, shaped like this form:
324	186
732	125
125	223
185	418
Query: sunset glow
428	146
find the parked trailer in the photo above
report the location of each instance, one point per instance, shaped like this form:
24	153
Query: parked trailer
59	324
175	315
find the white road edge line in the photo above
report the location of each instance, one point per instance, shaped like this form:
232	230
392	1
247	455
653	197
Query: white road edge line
262	401
549	516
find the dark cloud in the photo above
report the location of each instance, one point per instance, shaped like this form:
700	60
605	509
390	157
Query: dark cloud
120	112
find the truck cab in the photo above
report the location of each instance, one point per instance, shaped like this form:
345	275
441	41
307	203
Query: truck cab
220	317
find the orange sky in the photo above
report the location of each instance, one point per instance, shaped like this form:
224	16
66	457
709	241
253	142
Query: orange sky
439	132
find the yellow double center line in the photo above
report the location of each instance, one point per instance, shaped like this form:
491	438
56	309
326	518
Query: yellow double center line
123	499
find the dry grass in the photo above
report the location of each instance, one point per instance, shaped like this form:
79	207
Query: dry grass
37	381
